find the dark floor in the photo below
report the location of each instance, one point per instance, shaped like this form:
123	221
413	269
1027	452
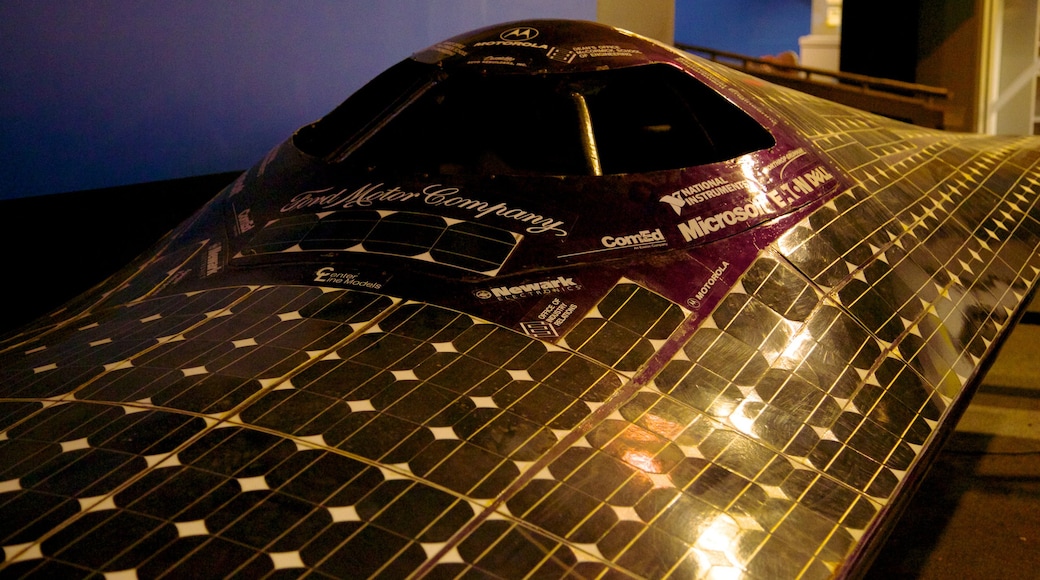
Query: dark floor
977	513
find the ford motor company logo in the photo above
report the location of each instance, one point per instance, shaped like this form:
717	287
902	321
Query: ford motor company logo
519	33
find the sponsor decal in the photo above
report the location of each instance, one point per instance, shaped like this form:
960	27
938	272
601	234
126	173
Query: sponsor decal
506	60
695	301
244	222
329	275
519	33
364	196
605	51
538	329
519	36
699	227
512	43
448	48
562	54
637	241
783	196
437	195
557	312
550	319
787	158
213	259
806	183
555	285
770	202
643	239
700	192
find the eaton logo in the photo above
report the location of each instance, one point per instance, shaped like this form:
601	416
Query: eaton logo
519	33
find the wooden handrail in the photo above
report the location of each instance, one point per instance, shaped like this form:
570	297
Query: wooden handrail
925	92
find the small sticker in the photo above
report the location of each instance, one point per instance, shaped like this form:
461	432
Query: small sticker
329	275
551	318
557	312
696	301
562	54
538	329
605	51
449	48
244	221
643	239
213	261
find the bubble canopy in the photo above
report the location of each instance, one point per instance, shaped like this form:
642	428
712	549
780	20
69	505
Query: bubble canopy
483	112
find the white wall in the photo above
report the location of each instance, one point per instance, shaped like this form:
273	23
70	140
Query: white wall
652	18
1011	98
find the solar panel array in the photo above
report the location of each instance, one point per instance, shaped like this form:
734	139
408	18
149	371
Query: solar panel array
431	238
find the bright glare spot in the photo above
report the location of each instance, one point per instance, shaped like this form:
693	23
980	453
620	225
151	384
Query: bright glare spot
747	167
724	573
788	242
720	536
641	460
742	419
662	426
798	347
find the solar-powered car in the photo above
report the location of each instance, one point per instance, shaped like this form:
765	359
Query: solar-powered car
547	299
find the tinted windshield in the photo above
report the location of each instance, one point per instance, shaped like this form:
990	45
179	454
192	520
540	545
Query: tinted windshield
632	120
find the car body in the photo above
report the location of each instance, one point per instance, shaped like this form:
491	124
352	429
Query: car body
546	299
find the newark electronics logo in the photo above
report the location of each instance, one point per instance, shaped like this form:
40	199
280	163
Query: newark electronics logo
550	286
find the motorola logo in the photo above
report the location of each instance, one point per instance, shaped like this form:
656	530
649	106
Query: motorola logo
519	33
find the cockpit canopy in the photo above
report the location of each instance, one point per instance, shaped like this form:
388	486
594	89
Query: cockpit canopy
417	119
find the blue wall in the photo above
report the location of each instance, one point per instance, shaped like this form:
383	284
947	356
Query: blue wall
109	92
749	27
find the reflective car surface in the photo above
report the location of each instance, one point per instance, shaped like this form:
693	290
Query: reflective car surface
548	299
